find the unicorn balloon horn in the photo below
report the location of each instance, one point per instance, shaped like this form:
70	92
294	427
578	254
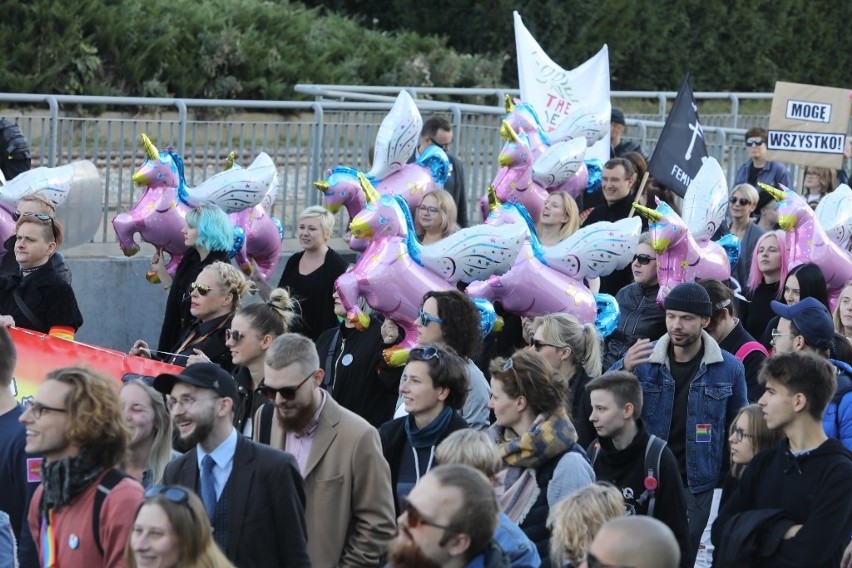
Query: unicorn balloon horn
774	192
648	213
507	102
508	133
150	150
229	163
323	186
369	191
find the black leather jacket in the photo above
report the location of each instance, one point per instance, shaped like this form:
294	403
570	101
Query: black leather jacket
640	316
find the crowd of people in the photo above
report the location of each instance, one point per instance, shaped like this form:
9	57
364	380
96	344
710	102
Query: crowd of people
712	430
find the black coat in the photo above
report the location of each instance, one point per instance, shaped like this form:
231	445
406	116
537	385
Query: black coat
208	337
813	489
50	299
9	265
267	506
392	435
580	407
178	317
355	371
640	317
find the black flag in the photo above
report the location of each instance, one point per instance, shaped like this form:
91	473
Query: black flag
680	150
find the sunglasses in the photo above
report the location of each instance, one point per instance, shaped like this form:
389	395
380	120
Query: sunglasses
750	143
539	345
414	518
40	216
234	335
129	377
642	259
287	393
173	494
426	318
202	289
424	353
742	201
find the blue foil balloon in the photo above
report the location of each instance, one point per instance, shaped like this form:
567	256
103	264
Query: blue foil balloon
595	169
731	244
608	313
487	315
239	241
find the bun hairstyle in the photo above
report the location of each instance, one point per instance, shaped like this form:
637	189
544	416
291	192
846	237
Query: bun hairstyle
274	317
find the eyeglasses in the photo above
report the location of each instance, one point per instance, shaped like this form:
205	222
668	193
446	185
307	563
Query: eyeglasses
429	209
426	318
38	409
234	336
424	353
444	147
592	561
539	345
738	435
414	518
642	259
811	173
202	289
287	393
742	201
40	216
750	143
776	334
185	401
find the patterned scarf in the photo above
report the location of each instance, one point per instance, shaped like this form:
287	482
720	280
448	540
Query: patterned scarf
549	436
66	478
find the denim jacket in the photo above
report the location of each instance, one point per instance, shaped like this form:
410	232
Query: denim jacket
717	392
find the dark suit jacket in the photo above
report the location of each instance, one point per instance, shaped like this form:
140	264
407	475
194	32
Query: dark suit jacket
267	515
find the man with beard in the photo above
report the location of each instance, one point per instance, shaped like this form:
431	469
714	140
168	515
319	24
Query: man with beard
253	493
448	521
692	390
82	513
349	507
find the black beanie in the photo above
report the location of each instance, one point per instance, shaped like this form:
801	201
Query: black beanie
691	298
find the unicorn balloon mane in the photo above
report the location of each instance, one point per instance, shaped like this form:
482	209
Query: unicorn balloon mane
807	241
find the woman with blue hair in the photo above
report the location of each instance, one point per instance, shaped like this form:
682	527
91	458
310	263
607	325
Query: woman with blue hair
209	234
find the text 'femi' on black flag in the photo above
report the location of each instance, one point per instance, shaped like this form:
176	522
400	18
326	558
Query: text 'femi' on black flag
680	150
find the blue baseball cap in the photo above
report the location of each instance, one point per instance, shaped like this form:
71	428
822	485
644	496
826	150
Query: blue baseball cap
811	318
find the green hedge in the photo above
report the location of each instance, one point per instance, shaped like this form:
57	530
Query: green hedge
250	49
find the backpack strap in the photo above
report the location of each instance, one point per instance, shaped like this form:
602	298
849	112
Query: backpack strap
653	456
748	348
107	484
592	452
265	423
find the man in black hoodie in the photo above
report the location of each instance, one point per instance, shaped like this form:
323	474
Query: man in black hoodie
807	477
646	473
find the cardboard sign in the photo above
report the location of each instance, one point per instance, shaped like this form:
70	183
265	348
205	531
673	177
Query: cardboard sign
808	125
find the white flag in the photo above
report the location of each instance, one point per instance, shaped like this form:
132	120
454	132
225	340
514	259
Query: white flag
553	92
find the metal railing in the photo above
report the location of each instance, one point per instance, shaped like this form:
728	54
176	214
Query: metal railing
303	138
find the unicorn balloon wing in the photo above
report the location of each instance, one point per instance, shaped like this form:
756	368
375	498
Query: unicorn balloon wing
397	137
834	213
54	183
475	253
235	189
559	162
596	250
588	122
706	201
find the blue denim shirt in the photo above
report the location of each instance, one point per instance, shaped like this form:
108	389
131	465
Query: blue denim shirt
773	173
8	548
716	393
516	545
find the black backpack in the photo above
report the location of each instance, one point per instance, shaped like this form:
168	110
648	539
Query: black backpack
15	154
653	453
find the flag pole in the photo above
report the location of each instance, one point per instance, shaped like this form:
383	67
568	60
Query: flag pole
639	194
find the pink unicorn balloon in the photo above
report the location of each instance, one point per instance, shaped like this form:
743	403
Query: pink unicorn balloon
531	288
680	257
807	241
386	275
159	216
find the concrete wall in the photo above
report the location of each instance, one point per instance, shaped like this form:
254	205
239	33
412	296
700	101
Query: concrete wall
119	305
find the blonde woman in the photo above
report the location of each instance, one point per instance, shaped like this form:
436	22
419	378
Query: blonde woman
309	275
575	521
818	183
573	351
435	217
560	219
150	447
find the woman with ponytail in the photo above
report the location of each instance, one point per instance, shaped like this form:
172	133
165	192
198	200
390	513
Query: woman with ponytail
573	351
252	331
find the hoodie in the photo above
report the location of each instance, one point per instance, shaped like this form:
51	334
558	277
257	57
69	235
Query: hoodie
814	489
